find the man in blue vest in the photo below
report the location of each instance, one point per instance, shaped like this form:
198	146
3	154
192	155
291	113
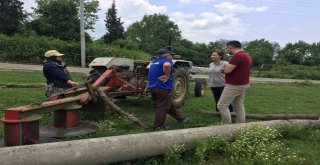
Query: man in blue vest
160	83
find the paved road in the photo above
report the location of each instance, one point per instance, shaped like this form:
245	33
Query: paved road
11	66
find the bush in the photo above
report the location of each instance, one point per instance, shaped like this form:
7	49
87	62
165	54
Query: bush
200	152
121	43
31	49
291	71
206	148
174	155
289	131
260	145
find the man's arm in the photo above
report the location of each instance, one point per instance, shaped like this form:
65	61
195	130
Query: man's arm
167	68
167	71
228	69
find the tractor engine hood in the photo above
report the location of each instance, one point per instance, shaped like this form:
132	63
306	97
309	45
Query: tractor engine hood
112	61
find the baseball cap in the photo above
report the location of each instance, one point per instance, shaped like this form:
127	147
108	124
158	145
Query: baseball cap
51	53
163	52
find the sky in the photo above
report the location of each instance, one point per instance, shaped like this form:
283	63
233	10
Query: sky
204	21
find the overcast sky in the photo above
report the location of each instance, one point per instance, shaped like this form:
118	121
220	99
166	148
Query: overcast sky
203	21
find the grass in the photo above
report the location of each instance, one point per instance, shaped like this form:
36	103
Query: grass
274	98
261	99
281	71
23	77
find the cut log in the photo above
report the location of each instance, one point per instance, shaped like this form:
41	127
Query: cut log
118	110
268	116
11	85
112	149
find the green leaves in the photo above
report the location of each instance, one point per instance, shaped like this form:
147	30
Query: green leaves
153	32
261	145
261	51
60	19
11	16
115	29
31	50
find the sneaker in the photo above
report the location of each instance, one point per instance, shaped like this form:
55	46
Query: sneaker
185	120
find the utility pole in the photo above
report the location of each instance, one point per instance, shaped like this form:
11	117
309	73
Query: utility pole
82	36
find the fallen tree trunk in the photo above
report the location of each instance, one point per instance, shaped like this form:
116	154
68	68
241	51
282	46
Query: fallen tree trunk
126	147
118	110
268	116
11	85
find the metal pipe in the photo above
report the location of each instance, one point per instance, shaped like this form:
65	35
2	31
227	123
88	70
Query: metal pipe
125	147
82	35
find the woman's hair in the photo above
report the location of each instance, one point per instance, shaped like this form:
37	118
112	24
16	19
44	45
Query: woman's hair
219	52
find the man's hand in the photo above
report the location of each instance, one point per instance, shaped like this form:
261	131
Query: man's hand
164	78
72	83
228	69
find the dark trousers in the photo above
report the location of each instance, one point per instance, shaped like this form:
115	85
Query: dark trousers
217	91
162	100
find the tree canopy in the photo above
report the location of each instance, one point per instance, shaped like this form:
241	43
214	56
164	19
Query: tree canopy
153	32
11	16
60	19
114	25
261	51
295	53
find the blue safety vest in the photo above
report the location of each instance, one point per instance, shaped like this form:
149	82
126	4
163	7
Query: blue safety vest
156	70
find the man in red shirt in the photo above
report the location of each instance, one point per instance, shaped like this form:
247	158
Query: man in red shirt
237	82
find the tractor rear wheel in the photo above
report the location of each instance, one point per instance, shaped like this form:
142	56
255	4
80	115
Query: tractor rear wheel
200	87
180	89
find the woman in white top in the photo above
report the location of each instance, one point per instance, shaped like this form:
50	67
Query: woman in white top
216	78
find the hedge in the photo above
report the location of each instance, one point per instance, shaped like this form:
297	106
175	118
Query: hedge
31	49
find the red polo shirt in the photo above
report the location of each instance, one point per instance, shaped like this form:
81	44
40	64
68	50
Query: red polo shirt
241	74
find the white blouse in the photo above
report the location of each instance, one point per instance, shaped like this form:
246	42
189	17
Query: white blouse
216	78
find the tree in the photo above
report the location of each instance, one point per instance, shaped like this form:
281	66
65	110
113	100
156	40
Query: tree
295	53
198	53
153	32
261	51
314	58
91	8
217	45
11	16
113	24
60	18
